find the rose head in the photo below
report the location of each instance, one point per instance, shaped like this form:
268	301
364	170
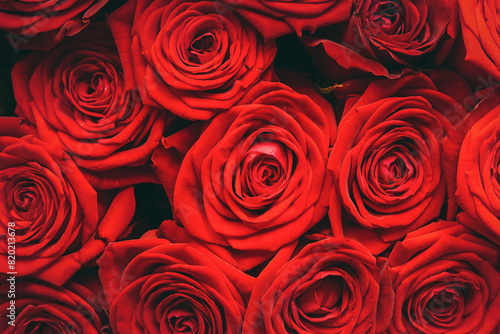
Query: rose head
384	37
60	221
256	178
75	96
192	58
331	286
446	281
44	308
387	160
40	25
277	18
155	286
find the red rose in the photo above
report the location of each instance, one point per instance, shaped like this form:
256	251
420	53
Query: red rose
332	286
42	307
51	218
193	58
40	25
446	281
274	18
477	55
154	286
76	98
387	161
256	178
477	147
384	37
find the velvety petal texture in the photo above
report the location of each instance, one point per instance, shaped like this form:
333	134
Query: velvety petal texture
446	280
154	286
194	58
40	25
44	308
274	18
387	161
256	179
56	221
75	96
384	38
331	286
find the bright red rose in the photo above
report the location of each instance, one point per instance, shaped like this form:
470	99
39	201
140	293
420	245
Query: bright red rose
388	161
331	286
477	149
44	308
50	215
385	37
195	58
256	178
477	55
446	280
76	98
274	18
153	286
40	25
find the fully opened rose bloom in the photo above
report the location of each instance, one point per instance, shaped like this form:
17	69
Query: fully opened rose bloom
153	286
60	222
76	98
277	18
256	179
195	58
478	47
45	308
446	280
40	25
384	37
477	178
331	286
387	161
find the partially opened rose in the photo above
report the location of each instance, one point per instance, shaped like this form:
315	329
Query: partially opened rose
446	280
387	161
57	222
331	286
274	18
76	98
40	25
256	179
44	308
195	58
153	286
385	37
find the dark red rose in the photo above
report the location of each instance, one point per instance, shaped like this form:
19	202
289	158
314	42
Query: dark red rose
385	37
40	25
387	161
193	58
446	281
40	307
154	286
477	55
75	96
53	220
332	286
256	178
274	18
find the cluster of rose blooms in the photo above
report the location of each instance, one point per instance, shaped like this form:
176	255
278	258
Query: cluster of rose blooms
355	190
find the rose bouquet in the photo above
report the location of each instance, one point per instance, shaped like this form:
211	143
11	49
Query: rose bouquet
258	166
